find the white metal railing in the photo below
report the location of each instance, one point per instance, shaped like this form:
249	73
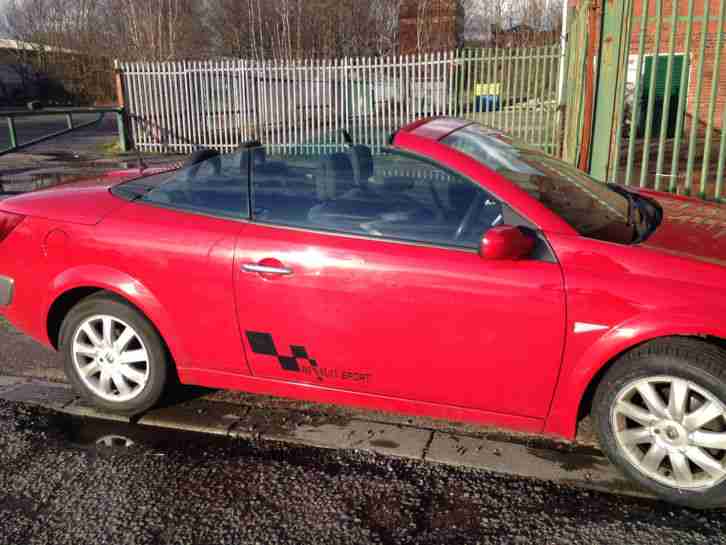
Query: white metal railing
293	106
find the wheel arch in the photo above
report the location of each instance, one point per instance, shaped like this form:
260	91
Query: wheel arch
60	308
73	286
579	381
585	405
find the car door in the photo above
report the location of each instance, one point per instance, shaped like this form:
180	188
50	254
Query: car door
355	275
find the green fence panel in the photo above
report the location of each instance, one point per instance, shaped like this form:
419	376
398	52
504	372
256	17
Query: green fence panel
671	87
716	72
668	94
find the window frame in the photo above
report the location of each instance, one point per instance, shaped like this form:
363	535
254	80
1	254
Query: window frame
525	222
241	218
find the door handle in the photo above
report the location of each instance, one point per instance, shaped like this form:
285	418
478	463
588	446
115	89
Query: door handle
265	269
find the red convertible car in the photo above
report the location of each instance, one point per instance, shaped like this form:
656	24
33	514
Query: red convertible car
455	274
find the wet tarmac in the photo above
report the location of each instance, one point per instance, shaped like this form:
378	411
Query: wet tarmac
32	128
65	479
85	152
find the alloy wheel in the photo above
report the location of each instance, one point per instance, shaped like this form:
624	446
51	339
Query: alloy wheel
672	430
110	358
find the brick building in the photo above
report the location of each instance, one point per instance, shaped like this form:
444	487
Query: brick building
430	25
689	56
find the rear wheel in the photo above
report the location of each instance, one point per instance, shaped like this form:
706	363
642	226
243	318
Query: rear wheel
660	414
113	355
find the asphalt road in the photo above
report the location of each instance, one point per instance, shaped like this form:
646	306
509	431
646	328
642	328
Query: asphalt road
31	128
20	356
58	486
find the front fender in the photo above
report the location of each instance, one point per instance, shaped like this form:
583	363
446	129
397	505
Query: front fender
123	285
580	367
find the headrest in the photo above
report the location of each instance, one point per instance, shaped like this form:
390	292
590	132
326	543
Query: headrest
363	156
336	175
338	165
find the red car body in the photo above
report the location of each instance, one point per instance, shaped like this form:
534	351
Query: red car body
390	326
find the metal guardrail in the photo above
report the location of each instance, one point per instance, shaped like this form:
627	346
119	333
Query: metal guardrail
12	115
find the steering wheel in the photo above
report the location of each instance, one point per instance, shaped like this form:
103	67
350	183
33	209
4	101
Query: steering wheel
470	215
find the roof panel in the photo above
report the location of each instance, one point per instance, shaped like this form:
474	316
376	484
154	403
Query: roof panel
437	128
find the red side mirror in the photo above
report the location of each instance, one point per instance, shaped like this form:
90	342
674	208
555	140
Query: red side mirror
505	242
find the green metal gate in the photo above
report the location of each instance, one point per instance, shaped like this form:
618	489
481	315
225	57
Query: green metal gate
659	104
578	109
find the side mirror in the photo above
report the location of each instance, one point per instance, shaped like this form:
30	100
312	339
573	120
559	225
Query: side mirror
505	242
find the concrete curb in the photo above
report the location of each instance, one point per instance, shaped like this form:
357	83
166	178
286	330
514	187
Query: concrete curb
579	466
9	383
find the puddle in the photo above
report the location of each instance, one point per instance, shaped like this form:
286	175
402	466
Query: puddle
115	441
108	437
384	443
570	460
101	438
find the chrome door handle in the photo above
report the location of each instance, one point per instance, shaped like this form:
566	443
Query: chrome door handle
265	269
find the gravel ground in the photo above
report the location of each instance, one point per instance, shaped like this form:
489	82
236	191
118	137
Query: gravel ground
58	486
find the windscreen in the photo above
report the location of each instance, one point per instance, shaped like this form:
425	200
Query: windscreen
592	208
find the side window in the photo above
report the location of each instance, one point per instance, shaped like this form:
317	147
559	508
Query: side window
389	196
217	186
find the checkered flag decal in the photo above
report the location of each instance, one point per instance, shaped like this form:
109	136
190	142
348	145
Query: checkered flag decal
264	344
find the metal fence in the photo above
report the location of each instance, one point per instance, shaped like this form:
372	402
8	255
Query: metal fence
292	106
669	97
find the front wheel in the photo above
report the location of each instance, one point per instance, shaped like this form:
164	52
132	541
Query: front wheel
660	415
113	355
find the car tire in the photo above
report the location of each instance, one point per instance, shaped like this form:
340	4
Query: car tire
126	379
646	413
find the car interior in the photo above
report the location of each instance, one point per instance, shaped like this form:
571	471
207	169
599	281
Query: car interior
351	191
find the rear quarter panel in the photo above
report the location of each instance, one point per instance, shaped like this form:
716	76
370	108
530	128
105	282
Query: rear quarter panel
48	258
177	268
